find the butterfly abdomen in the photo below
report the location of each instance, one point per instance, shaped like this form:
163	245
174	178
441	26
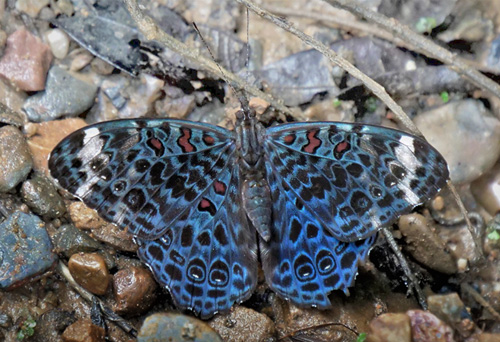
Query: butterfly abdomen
256	198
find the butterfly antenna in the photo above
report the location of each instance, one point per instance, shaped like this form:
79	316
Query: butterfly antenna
241	97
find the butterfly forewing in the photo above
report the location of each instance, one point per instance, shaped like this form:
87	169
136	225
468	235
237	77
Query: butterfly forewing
354	179
142	174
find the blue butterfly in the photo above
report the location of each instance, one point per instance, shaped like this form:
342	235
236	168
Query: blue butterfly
204	202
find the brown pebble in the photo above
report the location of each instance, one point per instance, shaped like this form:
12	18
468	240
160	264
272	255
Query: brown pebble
83	331
90	271
26	61
390	327
134	289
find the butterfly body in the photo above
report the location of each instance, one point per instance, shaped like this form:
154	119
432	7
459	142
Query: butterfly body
203	202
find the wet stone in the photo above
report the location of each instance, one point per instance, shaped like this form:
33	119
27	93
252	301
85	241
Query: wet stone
134	290
10	117
64	95
33	253
425	245
427	327
176	327
83	331
42	197
390	327
450	309
459	130
26	61
15	156
51	324
246	325
90	271
115	237
68	240
84	217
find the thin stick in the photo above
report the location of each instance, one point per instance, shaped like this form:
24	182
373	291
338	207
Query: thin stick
478	298
376	88
151	31
413	283
429	47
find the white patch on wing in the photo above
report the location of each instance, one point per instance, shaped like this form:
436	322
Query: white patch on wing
405	153
89	134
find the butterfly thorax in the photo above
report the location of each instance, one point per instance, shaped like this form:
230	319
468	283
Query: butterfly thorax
255	192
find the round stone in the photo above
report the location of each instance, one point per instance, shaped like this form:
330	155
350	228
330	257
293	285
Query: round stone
90	271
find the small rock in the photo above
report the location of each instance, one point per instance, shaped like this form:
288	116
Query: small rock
10	117
485	190
426	327
84	331
32	254
25	61
81	58
58	42
64	95
115	237
31	7
246	325
448	308
390	327
90	271
459	130
134	289
42	197
101	67
425	245
84	217
47	136
15	156
68	240
175	327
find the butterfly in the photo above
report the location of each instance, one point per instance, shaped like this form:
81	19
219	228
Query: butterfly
205	203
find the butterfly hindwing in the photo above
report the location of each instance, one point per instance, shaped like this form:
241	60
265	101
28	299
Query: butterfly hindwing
142	174
303	262
208	264
352	178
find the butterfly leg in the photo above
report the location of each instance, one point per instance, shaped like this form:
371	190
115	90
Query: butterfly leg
413	283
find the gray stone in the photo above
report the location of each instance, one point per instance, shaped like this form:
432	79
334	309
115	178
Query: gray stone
42	197
32	254
15	156
64	95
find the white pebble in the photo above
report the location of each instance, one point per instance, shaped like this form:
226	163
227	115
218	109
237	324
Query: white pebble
58	42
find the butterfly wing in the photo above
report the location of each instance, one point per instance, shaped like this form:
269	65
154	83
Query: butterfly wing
142	174
175	185
209	267
302	261
333	186
354	179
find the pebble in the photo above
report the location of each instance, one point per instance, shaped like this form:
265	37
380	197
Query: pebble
486	190
26	61
32	254
64	95
165	326
58	42
11	117
84	331
115	237
450	309
459	130
51	324
425	245
45	137
90	271
68	240
243	325
135	290
15	156
84	217
390	327
426	327
31	7
42	197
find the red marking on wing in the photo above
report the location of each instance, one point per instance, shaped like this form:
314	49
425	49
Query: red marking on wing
314	142
289	139
205	203
208	139
220	188
341	147
184	140
156	143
